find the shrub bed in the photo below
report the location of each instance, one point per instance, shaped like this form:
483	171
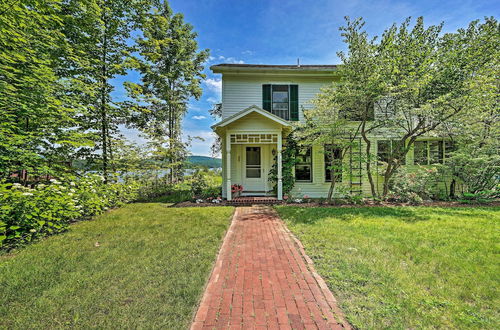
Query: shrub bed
30	213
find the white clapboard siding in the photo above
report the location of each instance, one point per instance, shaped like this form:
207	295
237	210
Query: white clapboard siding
240	92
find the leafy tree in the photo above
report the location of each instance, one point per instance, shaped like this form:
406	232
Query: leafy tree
100	32
171	72
416	80
38	124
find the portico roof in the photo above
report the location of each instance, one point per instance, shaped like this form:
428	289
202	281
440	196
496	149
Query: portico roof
245	112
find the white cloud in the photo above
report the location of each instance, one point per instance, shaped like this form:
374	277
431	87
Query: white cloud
248	52
231	60
198	117
212	100
215	85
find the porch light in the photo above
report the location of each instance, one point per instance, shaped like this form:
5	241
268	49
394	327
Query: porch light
273	152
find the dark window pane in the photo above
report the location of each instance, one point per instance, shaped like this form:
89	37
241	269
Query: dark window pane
253	173
303	173
383	150
280	88
304	165
333	163
436	152
253	162
280	101
420	153
253	155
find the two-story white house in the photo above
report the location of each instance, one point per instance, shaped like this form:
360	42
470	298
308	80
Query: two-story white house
260	104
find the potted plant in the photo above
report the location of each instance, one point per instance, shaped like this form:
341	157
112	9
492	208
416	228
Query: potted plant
236	190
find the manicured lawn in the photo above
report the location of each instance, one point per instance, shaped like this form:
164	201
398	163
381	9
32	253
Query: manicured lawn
406	267
141	266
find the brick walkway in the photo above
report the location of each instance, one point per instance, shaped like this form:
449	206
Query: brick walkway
263	280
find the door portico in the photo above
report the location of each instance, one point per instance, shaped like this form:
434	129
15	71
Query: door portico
251	143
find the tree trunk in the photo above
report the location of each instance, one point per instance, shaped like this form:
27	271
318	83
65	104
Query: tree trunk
453	185
387	177
104	119
332	187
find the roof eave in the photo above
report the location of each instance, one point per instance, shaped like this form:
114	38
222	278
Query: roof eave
274	70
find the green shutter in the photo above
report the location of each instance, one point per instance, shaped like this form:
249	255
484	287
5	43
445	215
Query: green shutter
294	102
266	97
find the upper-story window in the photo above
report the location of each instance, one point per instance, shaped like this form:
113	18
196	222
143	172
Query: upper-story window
281	100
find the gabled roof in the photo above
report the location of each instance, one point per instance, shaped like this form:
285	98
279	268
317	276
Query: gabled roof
248	111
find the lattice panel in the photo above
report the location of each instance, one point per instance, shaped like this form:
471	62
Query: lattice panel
254	138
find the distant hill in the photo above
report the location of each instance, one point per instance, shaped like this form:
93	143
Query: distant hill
209	162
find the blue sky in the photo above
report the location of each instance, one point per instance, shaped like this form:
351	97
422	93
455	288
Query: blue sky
280	31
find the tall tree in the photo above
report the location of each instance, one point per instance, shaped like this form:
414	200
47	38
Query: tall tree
171	72
100	31
37	104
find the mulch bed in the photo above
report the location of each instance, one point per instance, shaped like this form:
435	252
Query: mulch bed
367	204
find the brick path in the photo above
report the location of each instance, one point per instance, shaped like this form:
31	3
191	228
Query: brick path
264	280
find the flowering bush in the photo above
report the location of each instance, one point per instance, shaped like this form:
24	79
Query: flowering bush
413	185
27	213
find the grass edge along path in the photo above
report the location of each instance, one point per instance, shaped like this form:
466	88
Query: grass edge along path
406	267
143	265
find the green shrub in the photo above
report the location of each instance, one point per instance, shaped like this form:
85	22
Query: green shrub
198	184
413	185
479	197
28	213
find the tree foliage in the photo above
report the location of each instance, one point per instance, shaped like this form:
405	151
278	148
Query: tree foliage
415	81
171	71
38	110
59	61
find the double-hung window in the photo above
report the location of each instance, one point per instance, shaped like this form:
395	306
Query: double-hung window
303	166
281	100
431	152
333	163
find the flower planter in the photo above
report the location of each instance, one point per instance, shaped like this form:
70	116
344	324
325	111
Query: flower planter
236	190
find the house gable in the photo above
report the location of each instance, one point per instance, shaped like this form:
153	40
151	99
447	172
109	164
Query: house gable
252	119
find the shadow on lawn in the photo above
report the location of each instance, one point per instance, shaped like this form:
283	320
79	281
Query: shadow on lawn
404	214
311	216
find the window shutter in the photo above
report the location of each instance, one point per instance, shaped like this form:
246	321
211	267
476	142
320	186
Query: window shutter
266	97
294	102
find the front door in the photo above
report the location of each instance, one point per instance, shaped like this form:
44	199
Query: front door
254	170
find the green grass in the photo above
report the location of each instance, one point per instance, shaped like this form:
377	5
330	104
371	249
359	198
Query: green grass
148	270
406	267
